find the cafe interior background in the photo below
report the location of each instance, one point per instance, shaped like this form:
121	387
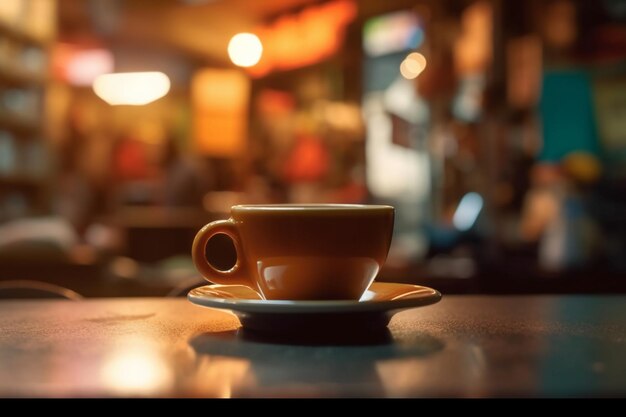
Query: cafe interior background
497	129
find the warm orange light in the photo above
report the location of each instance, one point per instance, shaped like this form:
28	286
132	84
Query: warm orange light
220	104
301	39
136	368
245	49
131	88
473	48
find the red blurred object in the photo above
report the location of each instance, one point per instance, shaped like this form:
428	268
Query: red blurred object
308	161
130	161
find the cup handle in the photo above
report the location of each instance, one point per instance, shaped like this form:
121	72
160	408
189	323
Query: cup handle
236	275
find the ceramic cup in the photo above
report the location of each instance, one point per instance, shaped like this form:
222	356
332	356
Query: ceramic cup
301	252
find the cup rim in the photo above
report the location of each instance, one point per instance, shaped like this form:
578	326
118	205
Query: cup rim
322	207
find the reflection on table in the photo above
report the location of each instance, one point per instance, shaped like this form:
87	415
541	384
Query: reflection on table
465	346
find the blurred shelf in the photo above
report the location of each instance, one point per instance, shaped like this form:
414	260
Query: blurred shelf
22	181
12	77
27	31
20	35
18	125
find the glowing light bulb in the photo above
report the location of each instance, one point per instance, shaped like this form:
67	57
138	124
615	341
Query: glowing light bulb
245	49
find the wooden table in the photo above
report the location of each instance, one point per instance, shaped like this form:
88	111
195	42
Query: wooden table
467	346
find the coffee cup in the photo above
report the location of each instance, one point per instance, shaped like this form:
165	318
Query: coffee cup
301	252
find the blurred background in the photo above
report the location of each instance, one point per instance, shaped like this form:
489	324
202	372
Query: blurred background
496	128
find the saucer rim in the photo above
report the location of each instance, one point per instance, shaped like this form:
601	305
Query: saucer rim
420	299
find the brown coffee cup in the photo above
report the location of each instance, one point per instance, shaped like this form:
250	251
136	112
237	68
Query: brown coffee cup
301	252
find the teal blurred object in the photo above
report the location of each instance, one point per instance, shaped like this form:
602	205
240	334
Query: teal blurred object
567	112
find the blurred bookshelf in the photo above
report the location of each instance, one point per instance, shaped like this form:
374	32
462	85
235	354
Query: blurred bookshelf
27	29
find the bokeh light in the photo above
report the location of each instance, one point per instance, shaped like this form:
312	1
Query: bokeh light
245	49
413	65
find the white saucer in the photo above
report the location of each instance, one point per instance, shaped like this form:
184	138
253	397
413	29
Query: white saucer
373	310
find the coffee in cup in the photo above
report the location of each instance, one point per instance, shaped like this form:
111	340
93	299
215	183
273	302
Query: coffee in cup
301	252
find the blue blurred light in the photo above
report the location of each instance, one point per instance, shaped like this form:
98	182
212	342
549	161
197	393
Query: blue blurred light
467	212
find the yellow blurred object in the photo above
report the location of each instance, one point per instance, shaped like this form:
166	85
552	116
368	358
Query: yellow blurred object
220	110
582	166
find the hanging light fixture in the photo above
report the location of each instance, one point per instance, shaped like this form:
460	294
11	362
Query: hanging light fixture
131	88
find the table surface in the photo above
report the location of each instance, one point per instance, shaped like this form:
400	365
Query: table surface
467	346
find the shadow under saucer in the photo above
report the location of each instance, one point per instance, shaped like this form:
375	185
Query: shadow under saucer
379	344
317	335
317	327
